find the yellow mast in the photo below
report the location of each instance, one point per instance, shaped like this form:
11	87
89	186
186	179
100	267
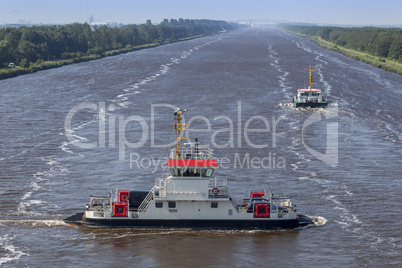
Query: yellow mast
310	77
178	128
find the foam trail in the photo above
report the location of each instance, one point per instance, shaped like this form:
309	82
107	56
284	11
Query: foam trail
318	220
13	252
34	223
163	70
283	77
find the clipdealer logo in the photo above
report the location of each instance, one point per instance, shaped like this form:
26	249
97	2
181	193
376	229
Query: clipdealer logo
330	156
116	126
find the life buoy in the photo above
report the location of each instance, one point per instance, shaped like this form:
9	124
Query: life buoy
124	197
215	191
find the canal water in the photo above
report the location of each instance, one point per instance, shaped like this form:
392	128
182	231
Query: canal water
91	127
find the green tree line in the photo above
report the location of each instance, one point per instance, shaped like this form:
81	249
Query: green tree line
379	42
30	46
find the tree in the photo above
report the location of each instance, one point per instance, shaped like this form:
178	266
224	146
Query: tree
395	50
24	63
382	47
325	33
28	50
26	45
5	52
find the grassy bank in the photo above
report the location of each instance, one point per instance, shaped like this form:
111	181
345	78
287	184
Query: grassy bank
385	64
44	65
379	62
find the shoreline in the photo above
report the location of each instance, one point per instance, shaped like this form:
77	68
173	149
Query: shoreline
378	62
6	73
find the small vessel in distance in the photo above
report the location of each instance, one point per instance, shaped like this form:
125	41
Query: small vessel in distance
188	197
309	97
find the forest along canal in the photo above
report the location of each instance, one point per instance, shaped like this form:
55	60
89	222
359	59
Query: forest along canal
230	80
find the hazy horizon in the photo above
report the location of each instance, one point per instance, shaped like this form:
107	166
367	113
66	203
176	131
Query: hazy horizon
341	12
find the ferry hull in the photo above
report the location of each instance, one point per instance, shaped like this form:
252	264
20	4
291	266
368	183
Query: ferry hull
310	104
117	222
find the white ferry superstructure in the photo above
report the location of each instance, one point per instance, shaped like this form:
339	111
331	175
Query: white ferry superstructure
189	197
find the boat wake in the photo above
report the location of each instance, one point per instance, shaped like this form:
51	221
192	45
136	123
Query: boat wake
122	100
12	252
32	223
282	79
318	220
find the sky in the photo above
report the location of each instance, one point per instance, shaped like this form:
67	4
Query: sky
339	12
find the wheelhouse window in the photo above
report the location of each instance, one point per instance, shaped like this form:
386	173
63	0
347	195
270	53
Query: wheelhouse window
175	172
207	172
192	172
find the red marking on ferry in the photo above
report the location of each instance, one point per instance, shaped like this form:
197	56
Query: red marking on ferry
191	163
308	90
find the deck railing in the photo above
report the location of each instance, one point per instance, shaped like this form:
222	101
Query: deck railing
218	182
100	204
201	152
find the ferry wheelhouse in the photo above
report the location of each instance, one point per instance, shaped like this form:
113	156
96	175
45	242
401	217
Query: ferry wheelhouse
188	196
309	97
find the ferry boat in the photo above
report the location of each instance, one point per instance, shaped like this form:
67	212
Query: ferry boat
309	97
189	197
